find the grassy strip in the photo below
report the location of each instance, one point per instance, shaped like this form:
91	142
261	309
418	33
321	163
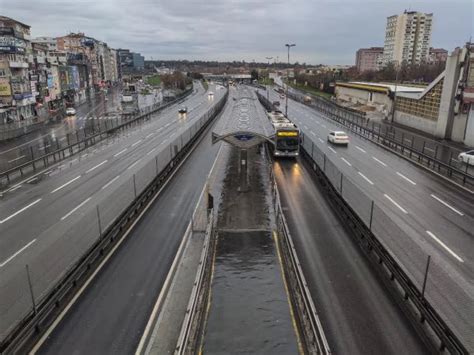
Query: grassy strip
311	90
153	80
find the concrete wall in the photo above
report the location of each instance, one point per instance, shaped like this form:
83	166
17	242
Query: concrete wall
469	133
379	100
416	122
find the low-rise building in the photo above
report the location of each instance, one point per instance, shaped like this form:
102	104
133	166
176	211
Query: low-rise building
369	59
16	99
377	96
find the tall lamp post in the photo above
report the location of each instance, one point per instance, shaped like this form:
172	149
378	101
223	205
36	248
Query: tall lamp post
268	69
288	77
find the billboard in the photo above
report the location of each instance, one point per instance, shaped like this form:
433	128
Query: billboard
5	88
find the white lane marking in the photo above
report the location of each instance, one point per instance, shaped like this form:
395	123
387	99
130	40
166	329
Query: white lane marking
366	178
64	185
332	150
149	135
345	161
312	133
407	179
20	157
75	209
123	150
137	142
395	203
322	141
95	167
110	182
19	211
16	254
445	246
379	161
131	166
447	205
362	150
151	151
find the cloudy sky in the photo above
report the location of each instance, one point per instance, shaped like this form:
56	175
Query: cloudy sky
324	31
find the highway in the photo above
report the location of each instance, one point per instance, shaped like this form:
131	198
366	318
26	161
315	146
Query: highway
111	314
17	151
357	313
61	205
417	214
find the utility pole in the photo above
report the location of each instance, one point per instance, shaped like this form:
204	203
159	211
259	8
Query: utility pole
288	77
268	69
395	92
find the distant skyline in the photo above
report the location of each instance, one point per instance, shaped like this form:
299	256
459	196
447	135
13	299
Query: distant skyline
325	31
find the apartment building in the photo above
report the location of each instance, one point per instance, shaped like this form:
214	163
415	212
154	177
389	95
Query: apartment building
408	38
369	59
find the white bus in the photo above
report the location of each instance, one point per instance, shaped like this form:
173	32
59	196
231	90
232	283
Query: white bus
287	135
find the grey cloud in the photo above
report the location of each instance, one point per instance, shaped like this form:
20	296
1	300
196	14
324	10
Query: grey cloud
328	31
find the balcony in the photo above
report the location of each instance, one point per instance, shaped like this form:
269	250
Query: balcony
18	65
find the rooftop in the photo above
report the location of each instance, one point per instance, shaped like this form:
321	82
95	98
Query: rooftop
381	87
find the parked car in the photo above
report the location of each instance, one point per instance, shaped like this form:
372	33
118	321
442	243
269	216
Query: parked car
467	157
338	137
183	109
70	111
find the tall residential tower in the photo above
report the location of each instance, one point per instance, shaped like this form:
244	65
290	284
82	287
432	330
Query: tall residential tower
407	38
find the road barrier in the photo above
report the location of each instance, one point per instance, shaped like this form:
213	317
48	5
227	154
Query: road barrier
357	123
73	143
129	201
371	226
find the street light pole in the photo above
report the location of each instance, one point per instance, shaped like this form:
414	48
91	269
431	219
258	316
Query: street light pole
268	69
288	77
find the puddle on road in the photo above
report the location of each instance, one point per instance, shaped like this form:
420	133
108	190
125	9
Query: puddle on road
249	310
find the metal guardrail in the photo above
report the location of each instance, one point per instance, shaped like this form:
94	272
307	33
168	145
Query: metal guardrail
411	299
358	124
70	149
310	325
188	335
38	320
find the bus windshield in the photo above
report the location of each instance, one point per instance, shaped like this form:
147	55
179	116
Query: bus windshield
287	143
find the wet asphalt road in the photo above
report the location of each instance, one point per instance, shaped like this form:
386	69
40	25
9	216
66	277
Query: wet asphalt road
357	313
61	206
416	214
100	107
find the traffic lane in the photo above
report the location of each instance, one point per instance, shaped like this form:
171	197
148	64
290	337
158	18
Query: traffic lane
57	248
403	195
112	313
361	156
451	287
303	111
46	141
383	159
357	313
87	177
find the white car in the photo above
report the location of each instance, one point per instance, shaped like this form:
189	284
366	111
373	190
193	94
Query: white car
338	137
70	111
467	157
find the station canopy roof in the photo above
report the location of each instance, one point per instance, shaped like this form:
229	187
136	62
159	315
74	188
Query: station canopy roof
247	124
